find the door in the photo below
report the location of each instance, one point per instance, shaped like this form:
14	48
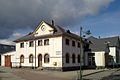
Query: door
39	60
8	61
91	59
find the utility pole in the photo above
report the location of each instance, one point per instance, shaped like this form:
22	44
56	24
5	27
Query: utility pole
80	52
87	33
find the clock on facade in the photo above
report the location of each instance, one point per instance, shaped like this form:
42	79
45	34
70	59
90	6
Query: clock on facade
43	28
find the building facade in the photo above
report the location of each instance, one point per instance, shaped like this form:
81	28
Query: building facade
49	47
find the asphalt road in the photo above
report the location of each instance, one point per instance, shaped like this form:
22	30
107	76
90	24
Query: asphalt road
113	74
30	74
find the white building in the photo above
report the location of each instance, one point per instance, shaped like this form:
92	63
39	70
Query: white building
49	47
103	52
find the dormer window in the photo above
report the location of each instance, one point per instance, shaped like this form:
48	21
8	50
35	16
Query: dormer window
31	44
46	42
22	45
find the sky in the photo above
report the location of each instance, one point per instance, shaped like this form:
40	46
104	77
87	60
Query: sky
19	17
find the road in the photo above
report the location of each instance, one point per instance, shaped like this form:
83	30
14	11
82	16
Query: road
113	74
30	74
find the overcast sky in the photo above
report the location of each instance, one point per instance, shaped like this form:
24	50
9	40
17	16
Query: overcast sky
19	17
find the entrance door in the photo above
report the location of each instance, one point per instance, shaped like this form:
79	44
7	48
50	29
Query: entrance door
91	59
39	60
8	61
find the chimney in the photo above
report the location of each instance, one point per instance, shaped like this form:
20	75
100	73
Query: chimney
52	23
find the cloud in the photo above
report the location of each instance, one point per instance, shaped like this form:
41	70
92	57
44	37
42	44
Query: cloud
26	14
11	38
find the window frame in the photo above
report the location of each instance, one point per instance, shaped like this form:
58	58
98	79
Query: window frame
46	42
46	59
78	59
73	43
40	42
31	43
73	58
21	45
22	59
67	41
30	61
67	58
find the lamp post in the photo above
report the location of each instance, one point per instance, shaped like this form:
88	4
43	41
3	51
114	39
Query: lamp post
87	33
107	50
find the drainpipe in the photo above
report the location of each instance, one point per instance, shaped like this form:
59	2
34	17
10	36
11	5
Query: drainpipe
35	55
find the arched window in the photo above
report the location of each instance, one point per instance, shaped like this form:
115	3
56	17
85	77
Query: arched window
67	58
46	58
22	59
73	58
31	58
78	58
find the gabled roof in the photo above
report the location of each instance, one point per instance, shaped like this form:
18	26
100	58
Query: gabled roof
99	44
41	24
57	31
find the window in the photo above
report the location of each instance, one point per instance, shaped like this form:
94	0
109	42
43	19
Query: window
73	43
78	58
31	58
67	41
46	58
5	47
73	58
46	42
39	42
31	44
21	45
12	47
22	59
78	45
67	58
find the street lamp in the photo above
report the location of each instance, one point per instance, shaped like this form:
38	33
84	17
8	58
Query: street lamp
107	50
87	33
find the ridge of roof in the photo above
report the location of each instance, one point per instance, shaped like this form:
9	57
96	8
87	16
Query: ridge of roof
110	37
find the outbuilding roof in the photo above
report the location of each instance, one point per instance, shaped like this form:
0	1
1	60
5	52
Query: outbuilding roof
99	44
